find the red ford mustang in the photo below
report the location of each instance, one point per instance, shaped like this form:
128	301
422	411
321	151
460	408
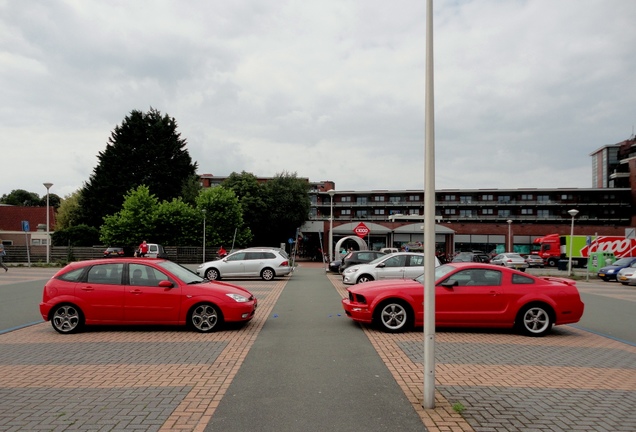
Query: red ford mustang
469	295
140	291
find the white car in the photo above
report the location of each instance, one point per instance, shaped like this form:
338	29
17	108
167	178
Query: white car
627	275
266	263
510	260
400	265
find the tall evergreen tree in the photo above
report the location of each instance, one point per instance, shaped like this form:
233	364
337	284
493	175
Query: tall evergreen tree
145	149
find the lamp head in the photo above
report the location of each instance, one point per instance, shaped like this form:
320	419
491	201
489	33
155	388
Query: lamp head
48	185
573	212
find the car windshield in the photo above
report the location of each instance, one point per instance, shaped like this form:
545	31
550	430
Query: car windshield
185	275
623	262
379	259
513	255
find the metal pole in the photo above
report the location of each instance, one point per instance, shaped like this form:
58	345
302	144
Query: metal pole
48	234
509	238
203	211
572	213
331	257
428	400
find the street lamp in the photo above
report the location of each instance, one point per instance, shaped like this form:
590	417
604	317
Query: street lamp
509	238
48	236
331	194
572	213
203	211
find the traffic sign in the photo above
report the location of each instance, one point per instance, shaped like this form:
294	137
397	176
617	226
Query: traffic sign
361	230
25	226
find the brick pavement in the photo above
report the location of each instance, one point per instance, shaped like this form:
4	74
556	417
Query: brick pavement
160	379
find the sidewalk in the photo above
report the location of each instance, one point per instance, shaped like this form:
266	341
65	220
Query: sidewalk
299	366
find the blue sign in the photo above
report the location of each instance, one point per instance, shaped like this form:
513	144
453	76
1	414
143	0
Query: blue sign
25	226
588	240
290	241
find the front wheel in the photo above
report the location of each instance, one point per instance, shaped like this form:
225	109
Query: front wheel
535	320
205	318
212	274
364	278
393	316
67	319
267	274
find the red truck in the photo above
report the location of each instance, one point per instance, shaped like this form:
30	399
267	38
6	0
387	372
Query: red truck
554	247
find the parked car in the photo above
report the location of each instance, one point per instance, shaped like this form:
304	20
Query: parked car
334	266
400	265
118	252
266	263
510	260
534	260
140	291
609	272
156	251
388	250
473	256
627	275
359	257
469	295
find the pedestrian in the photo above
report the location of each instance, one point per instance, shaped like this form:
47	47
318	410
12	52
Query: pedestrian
143	249
222	252
3	253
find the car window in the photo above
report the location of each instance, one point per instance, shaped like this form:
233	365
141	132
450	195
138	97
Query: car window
416	260
239	256
143	275
73	275
395	261
520	279
105	273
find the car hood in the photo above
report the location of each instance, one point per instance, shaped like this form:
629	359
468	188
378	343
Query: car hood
220	287
610	267
382	285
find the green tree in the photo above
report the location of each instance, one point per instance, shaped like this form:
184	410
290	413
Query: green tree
224	217
177	223
145	149
288	204
135	221
251	196
78	235
68	213
21	197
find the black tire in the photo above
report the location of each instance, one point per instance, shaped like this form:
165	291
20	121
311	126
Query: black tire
535	320
67	318
364	278
205	318
212	274
267	274
393	316
552	263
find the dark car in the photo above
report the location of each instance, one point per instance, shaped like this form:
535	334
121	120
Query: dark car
609	272
359	257
473	256
118	252
334	266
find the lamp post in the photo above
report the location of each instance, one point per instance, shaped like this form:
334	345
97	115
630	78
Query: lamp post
509	238
572	213
203	211
331	194
48	235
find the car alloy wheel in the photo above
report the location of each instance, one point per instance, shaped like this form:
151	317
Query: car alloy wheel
267	274
535	320
364	278
212	274
67	319
205	318
393	317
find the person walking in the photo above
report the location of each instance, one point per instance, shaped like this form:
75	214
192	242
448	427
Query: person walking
3	253
143	249
222	252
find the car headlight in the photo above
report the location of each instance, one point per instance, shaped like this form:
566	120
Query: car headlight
350	270
237	297
610	271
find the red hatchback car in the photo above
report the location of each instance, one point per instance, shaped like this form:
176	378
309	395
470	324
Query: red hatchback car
140	291
469	295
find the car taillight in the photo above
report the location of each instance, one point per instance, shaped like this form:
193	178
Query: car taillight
285	264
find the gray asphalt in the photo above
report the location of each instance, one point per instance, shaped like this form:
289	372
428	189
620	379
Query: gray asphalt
313	369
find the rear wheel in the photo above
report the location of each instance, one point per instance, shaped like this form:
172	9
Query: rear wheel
535	320
212	274
67	318
205	318
267	274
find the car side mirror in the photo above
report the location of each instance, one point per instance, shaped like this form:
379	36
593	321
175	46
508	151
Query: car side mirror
166	284
381	265
450	284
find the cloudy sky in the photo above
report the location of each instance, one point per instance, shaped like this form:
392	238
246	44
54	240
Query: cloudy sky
333	90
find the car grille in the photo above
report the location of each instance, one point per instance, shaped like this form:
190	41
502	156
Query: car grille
356	298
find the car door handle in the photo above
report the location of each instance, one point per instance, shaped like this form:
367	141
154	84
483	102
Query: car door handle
88	288
136	291
494	293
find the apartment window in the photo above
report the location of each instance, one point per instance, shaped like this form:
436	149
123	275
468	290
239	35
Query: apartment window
567	197
449	211
345	212
526	197
378	211
465	199
466	213
505	199
488	211
487	198
378	198
526	211
361	200
543	213
543	198
414	198
362	214
414	211
449	197
395	199
503	213
345	199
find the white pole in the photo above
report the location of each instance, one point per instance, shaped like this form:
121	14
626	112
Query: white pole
48	234
428	400
509	238
203	211
331	257
572	213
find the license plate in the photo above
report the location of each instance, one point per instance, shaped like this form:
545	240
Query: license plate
622	278
601	274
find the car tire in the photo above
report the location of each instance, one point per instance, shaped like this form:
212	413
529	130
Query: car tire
393	316
212	274
267	274
535	320
67	318
364	278
205	318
